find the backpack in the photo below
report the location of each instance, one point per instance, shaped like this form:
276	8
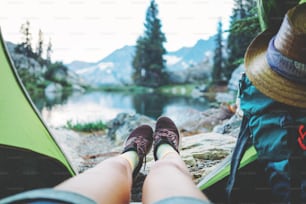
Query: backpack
277	131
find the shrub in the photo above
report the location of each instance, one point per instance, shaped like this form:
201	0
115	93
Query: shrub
87	127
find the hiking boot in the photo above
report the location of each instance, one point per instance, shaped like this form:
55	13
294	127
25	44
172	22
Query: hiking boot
166	132
140	140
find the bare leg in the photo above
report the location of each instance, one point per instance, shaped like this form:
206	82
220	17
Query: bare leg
169	177
111	180
108	182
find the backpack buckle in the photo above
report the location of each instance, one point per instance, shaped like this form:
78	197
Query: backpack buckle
301	137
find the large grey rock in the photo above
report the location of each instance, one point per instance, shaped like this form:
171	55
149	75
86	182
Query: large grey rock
53	87
193	121
34	68
201	152
124	123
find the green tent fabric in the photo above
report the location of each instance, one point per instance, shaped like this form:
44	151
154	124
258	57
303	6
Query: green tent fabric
223	170
251	184
29	155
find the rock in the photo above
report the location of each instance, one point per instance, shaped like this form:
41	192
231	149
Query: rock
84	150
59	75
230	127
200	152
38	70
124	123
227	97
211	154
23	62
202	88
189	160
207	150
78	88
191	121
207	141
53	87
233	83
77	82
199	91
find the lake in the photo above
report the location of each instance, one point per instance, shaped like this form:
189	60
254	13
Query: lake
57	110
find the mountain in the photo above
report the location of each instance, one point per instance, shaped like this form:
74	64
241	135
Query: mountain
76	65
113	69
189	56
116	68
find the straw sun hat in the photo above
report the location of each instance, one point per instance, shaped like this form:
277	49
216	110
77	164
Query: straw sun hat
276	64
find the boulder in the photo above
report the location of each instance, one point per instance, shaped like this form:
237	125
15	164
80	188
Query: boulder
124	123
53	87
192	121
236	75
201	152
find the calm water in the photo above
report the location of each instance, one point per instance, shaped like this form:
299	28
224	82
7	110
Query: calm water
87	107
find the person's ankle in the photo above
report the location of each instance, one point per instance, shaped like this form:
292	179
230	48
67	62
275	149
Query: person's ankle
163	150
140	142
131	157
166	132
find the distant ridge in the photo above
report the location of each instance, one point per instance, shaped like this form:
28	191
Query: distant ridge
116	67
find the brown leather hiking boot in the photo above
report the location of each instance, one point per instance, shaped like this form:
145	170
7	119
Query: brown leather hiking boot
140	140
165	132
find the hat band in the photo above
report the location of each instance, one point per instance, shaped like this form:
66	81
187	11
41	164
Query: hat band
288	68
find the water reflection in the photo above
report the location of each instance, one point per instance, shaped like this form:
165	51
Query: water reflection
93	106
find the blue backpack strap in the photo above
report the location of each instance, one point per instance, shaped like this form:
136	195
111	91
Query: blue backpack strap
242	144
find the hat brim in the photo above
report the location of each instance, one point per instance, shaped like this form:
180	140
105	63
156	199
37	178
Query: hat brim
268	81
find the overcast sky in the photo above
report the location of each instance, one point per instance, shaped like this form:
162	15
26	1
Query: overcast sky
89	30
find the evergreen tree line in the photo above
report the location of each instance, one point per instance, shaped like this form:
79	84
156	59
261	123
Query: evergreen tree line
32	81
244	26
149	65
25	47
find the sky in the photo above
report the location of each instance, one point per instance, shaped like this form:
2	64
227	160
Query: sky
89	30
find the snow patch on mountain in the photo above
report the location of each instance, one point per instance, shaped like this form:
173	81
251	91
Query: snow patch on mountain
116	68
172	59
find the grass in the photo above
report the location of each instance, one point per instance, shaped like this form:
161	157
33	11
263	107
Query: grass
175	90
178	90
87	127
127	88
171	90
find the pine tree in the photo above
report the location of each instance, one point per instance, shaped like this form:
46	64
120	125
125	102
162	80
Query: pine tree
244	26
39	48
49	52
218	56
25	47
148	62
